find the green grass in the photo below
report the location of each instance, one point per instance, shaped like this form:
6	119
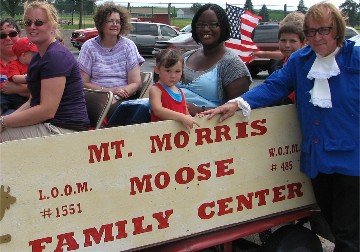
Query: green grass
181	23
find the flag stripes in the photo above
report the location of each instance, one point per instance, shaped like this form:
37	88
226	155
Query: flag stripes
242	23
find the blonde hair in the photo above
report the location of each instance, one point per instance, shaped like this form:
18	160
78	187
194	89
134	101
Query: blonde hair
319	12
50	12
296	18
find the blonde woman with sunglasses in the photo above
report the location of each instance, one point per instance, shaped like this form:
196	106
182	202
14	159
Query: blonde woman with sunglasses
57	103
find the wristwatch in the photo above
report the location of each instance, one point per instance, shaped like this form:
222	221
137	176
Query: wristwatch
202	108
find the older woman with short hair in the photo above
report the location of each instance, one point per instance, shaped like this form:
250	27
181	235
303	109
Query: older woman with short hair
111	61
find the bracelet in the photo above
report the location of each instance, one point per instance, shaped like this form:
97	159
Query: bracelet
2	122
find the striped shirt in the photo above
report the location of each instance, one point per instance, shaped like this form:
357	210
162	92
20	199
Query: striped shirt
109	67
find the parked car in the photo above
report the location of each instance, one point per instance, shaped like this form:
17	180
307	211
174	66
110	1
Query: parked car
186	29
79	37
184	42
266	38
144	35
350	32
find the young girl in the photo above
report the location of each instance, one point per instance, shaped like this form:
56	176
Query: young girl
167	101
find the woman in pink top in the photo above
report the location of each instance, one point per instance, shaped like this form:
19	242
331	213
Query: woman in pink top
111	61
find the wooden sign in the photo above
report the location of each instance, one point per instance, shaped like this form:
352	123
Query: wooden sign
128	187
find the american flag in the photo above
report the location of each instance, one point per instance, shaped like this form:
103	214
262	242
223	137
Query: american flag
242	23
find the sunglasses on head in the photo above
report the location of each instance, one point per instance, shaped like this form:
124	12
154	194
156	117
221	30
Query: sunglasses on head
11	34
37	22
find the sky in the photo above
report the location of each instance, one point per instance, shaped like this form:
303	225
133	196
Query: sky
278	4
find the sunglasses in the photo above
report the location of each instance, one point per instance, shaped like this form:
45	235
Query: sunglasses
37	22
11	34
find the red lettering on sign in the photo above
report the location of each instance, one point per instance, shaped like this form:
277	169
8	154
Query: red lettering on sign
96	235
262	196
202	210
258	125
121	231
138	226
241	127
181	139
68	240
106	233
158	144
203	134
222	133
162	180
223	206
163	218
244	201
103	151
183	175
278	195
139	184
37	244
222	167
294	188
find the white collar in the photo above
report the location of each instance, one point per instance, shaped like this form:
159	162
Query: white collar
323	69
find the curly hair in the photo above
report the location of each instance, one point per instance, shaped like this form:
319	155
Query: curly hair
11	23
320	11
104	11
223	21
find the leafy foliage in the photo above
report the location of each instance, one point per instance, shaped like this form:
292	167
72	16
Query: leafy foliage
195	7
351	9
301	7
12	7
264	13
249	6
68	6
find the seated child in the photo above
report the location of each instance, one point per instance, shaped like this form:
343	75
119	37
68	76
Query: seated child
168	102
24	50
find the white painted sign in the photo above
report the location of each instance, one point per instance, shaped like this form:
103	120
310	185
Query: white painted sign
129	187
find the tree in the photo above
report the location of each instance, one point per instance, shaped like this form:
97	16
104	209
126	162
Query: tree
68	6
351	9
195	7
264	13
12	7
301	7
249	6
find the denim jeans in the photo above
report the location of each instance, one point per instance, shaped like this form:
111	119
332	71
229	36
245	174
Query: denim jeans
130	112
